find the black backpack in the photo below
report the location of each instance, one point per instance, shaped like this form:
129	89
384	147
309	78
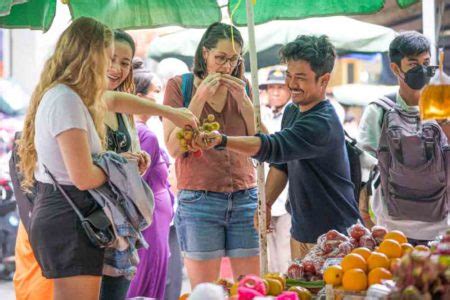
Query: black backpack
354	153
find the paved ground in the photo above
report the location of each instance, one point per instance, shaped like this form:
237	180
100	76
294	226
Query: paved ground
7	290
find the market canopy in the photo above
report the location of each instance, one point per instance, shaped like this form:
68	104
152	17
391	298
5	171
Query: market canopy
131	14
361	94
267	10
347	34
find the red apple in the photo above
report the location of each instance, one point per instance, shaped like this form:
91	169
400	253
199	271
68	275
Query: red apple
378	233
309	267
335	235
327	248
332	235
357	231
296	271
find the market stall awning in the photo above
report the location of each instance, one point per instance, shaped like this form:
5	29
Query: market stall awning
128	14
347	34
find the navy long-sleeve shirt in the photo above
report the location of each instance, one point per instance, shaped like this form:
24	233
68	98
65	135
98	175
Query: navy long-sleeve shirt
310	148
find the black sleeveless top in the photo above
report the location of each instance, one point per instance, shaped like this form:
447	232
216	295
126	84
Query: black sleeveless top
119	140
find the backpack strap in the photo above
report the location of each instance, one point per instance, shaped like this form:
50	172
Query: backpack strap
24	199
352	141
187	82
385	102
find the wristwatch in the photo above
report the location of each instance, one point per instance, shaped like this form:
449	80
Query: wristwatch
223	143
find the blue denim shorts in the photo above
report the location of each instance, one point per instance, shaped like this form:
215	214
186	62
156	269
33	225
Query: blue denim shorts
212	225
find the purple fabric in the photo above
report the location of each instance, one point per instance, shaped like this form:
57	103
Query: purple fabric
150	278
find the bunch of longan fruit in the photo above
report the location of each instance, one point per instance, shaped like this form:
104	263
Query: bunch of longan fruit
188	134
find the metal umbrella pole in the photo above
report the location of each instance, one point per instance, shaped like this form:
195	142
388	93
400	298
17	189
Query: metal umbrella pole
429	25
260	166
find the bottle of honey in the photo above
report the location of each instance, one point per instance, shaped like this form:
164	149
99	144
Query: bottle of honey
434	103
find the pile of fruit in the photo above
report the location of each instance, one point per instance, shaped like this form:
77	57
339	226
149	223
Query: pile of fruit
425	273
364	267
252	286
334	244
420	275
272	284
353	264
441	246
188	134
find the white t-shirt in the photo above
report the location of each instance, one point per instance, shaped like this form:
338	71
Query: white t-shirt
61	109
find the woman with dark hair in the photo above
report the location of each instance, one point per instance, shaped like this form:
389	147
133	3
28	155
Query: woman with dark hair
153	260
121	137
121	132
218	196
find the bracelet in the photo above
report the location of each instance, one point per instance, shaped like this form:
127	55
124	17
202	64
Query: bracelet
222	144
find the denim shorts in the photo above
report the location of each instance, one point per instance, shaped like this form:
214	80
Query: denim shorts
212	225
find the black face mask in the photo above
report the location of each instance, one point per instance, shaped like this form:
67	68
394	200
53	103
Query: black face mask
419	76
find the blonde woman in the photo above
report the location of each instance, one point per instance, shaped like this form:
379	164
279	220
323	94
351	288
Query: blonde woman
63	128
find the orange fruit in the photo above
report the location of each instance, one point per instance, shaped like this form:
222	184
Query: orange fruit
394	264
378	274
353	261
396	235
378	260
363	251
354	280
391	248
333	275
406	248
185	296
422	248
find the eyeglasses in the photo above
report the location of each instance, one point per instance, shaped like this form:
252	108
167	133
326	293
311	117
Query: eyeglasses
431	70
222	59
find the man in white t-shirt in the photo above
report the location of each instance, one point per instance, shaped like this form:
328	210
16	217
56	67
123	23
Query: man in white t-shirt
278	242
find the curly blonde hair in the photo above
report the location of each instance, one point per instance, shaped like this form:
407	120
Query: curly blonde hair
79	61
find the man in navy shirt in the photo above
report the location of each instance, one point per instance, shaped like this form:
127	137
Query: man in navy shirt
309	152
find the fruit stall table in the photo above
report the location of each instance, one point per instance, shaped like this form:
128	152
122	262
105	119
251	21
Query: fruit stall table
364	264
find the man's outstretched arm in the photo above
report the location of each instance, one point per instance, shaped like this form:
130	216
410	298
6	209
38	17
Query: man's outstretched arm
249	145
307	139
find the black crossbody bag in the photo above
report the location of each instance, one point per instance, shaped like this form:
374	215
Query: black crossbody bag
96	225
